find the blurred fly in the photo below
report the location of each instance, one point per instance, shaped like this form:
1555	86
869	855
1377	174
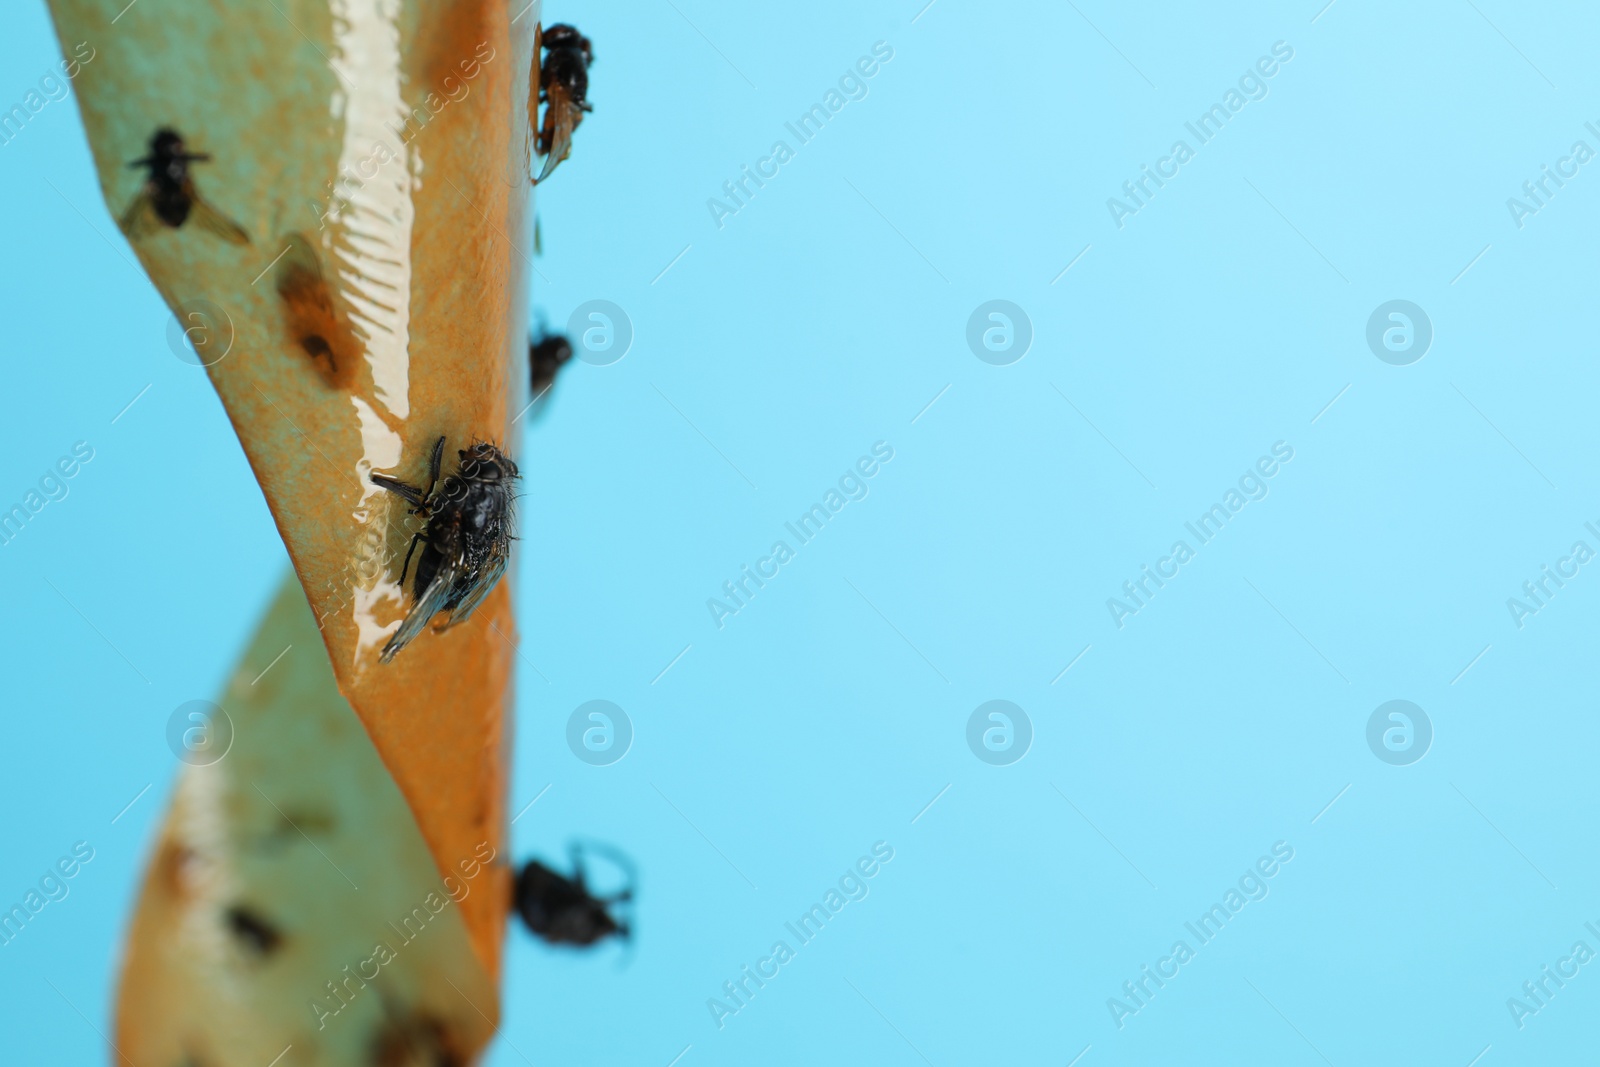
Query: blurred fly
311	312
253	930
466	542
547	354
563	89
169	196
413	1037
563	910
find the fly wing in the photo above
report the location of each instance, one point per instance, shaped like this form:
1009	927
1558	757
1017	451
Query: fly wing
139	218
561	117
213	221
434	599
493	568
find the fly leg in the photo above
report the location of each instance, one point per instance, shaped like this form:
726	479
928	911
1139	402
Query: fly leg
433	469
622	896
412	495
407	565
409	493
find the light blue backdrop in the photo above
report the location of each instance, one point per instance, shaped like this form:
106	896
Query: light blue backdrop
1230	713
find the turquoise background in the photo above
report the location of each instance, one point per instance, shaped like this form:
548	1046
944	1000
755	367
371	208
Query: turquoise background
824	316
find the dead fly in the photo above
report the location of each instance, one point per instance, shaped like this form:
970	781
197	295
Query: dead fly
563	89
466	542
418	1039
169	197
562	910
310	312
253	931
547	354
